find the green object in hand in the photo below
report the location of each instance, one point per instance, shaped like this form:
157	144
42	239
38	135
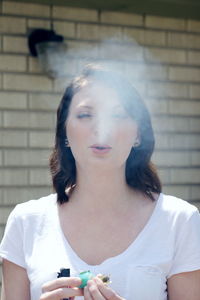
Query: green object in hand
85	276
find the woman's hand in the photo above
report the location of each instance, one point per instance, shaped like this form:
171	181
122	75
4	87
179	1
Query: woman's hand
61	288
97	290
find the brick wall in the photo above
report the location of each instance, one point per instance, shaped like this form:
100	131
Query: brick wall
170	86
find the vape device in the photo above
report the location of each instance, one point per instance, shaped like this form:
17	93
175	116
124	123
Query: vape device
64	273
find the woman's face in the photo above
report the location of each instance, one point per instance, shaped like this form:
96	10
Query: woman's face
98	128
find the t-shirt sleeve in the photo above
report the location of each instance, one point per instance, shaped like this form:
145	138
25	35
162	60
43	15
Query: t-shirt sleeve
11	247
187	249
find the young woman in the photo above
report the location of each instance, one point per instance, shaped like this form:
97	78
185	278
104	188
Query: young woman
108	214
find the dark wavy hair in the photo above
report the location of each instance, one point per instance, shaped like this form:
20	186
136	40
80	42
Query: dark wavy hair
140	172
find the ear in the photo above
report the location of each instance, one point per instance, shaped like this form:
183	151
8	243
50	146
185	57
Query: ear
137	140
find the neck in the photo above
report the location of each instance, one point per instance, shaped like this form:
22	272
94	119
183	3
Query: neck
97	188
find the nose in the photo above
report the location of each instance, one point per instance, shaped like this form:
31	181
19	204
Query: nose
102	127
97	125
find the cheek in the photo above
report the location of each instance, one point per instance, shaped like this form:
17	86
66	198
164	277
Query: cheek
75	132
127	134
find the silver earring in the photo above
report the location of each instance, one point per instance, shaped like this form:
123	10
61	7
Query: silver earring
136	144
66	143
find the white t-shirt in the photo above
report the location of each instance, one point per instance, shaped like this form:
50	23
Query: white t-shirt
168	244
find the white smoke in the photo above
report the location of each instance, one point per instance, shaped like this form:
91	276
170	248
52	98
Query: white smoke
125	56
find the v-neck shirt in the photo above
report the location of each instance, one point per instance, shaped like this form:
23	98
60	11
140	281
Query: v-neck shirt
168	244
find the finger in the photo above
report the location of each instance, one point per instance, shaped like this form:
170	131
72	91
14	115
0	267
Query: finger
94	291
61	282
61	293
87	295
106	291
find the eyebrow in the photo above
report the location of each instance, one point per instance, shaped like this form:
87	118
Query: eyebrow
85	106
91	107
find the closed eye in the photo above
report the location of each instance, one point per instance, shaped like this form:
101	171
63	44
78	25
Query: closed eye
84	115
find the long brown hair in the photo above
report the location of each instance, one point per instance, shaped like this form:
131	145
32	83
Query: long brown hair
140	172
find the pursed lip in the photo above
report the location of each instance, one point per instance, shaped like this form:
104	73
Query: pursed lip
98	146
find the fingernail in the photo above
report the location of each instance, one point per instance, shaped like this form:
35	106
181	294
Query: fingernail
91	282
97	280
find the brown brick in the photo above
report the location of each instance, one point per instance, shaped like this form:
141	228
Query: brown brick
26	82
164	90
194	124
155	38
120	18
195	158
195	192
184	74
12	25
26	157
98	32
1	157
184	107
4	213
13	138
44	101
164	174
171	124
193	25
134	35
78	14
180	191
40	177
165	55
34	65
1	119
165	23
153	72
157	106
29	120
194	91
162	141
185	141
146	37
1	236
67	29
12	63
15	44
194	57
12	177
185	175
171	159
32	23
13	100
26	9
1	197
183	40
1	44
17	195
41	139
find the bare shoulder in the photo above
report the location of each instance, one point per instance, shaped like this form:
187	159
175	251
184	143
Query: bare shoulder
184	286
14	282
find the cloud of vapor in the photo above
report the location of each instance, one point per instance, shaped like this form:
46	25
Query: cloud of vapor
125	56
